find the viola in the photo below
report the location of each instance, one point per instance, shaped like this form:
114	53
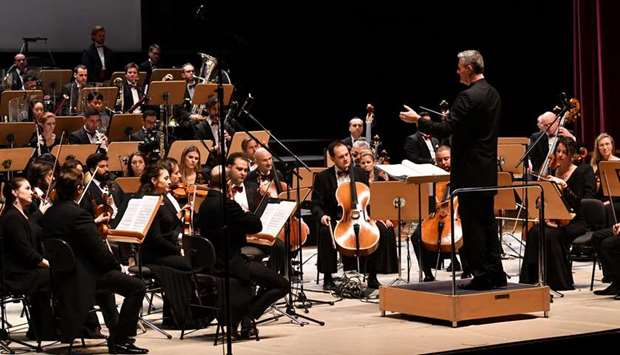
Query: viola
103	227
437	229
355	233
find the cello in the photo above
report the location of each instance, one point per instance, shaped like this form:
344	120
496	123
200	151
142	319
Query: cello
355	233
437	229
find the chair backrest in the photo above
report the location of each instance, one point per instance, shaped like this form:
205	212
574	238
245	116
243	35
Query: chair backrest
594	213
59	254
202	254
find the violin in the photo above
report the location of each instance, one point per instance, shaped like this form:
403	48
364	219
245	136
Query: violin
103	227
437	229
355	233
182	190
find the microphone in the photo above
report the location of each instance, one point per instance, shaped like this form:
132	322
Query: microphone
564	100
232	110
247	104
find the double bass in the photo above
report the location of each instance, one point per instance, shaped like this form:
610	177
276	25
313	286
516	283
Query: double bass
355	233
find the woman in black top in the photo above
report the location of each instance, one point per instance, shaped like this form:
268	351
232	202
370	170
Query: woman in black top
25	270
575	183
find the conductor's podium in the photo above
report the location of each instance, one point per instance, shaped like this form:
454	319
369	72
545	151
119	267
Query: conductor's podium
435	300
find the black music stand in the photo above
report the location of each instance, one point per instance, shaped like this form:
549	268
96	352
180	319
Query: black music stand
166	93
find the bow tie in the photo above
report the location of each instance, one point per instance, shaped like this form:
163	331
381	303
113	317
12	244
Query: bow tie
342	173
236	189
215	122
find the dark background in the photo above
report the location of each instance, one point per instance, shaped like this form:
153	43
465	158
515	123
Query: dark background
313	65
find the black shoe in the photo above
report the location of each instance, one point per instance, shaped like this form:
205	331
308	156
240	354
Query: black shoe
478	284
465	275
612	289
248	329
617	297
500	280
329	285
428	277
373	283
606	280
456	265
126	348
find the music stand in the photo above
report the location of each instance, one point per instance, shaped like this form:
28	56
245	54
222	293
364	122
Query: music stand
8	95
121	74
508	158
54	80
109	94
118	151
609	172
16	133
123	125
129	184
15	159
513	140
177	147
159	73
79	151
69	124
166	93
307	179
211	90
505	200
239	137
399	200
555	207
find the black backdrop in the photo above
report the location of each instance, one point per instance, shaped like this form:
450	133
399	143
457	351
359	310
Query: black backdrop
313	65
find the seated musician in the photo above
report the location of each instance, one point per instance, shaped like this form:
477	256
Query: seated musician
96	270
249	146
575	183
191	173
359	146
607	245
25	268
182	113
136	164
272	287
420	148
356	128
548	127
40	175
604	149
71	91
89	133
209	129
47	139
149	120
36	110
154	55
102	189
263	180
325	209
132	92
14	76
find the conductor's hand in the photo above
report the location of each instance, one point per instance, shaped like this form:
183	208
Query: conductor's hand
409	115
325	220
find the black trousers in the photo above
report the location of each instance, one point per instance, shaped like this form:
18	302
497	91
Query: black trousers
272	287
132	289
608	249
429	258
481	248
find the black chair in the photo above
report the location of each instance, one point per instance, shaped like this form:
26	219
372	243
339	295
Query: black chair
595	215
205	285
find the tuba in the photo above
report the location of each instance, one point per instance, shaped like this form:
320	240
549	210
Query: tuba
208	66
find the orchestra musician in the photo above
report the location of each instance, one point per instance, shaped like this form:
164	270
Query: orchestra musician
25	268
36	110
209	129
102	190
359	146
604	150
243	191
97	272
189	165
71	91
575	183
420	148
607	245
47	139
136	164
154	55
356	128
325	209
14	77
212	218
98	58
40	175
473	122
89	133
249	146
132	92
149	120
547	126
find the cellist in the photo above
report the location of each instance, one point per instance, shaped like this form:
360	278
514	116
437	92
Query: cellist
325	209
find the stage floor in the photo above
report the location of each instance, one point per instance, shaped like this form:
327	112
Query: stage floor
356	327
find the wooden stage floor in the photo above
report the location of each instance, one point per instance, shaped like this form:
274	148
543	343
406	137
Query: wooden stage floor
356	327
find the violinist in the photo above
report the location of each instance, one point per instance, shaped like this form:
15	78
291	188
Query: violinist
102	190
189	165
136	164
575	183
548	126
244	192
325	209
25	268
249	146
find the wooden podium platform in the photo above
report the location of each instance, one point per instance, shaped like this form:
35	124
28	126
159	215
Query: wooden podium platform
435	300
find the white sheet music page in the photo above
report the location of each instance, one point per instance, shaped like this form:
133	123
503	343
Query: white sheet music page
138	213
275	215
423	169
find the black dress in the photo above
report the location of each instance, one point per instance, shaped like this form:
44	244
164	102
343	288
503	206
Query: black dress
558	271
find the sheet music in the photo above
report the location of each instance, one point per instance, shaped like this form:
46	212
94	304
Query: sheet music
275	215
138	213
408	169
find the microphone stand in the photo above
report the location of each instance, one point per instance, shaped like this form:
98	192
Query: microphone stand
301	297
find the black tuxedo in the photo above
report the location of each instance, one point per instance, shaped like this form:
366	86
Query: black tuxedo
94	194
473	123
139	136
15	80
90	58
240	223
417	151
73	93
96	271
128	101
79	137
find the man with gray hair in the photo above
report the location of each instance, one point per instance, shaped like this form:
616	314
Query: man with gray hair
473	122
356	128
